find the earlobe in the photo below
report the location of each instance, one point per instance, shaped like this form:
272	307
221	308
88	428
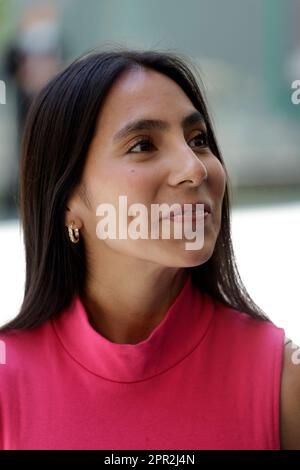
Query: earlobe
73	233
70	218
73	220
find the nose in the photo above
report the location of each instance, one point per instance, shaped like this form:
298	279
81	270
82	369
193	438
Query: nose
187	166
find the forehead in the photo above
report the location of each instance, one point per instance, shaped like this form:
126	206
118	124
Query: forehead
140	93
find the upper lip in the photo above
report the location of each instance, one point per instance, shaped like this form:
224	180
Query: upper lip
207	208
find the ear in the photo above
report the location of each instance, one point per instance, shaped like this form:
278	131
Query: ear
73	211
71	217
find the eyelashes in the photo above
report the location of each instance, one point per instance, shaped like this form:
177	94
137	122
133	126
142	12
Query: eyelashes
203	135
142	142
145	143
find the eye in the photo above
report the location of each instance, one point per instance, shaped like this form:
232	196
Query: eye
202	139
144	145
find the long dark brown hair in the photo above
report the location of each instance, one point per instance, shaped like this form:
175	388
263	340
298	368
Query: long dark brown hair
58	131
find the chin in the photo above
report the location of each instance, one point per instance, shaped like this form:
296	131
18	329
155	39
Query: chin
182	258
195	260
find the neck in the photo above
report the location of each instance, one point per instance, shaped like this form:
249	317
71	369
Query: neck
125	306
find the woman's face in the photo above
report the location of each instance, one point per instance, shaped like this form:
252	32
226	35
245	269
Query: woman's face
173	164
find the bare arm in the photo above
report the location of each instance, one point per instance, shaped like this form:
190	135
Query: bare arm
290	398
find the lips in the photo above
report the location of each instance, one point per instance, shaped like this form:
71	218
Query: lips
207	207
188	208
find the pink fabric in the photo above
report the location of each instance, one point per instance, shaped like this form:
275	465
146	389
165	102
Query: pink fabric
207	377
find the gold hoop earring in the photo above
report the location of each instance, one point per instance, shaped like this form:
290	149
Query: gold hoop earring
72	229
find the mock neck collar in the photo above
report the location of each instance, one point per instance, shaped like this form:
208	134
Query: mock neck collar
177	335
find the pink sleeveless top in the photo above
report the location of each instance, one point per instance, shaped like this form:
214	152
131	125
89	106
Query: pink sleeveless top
207	377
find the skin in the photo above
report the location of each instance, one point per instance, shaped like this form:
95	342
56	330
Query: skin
132	283
290	399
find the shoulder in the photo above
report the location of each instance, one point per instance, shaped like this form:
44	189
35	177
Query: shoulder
22	350
257	341
253	332
290	397
24	338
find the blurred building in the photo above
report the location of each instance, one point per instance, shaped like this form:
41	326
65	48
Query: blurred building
247	54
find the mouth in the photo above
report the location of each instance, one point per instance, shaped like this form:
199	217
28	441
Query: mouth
189	210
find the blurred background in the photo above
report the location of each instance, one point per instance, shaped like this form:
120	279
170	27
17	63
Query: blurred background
248	55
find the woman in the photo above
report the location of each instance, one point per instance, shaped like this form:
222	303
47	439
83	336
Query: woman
135	343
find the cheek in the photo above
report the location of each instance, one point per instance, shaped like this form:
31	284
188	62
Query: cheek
140	185
108	181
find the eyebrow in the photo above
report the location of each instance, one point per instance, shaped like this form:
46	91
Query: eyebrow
157	124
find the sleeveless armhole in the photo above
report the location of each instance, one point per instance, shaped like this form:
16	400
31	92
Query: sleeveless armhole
281	341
